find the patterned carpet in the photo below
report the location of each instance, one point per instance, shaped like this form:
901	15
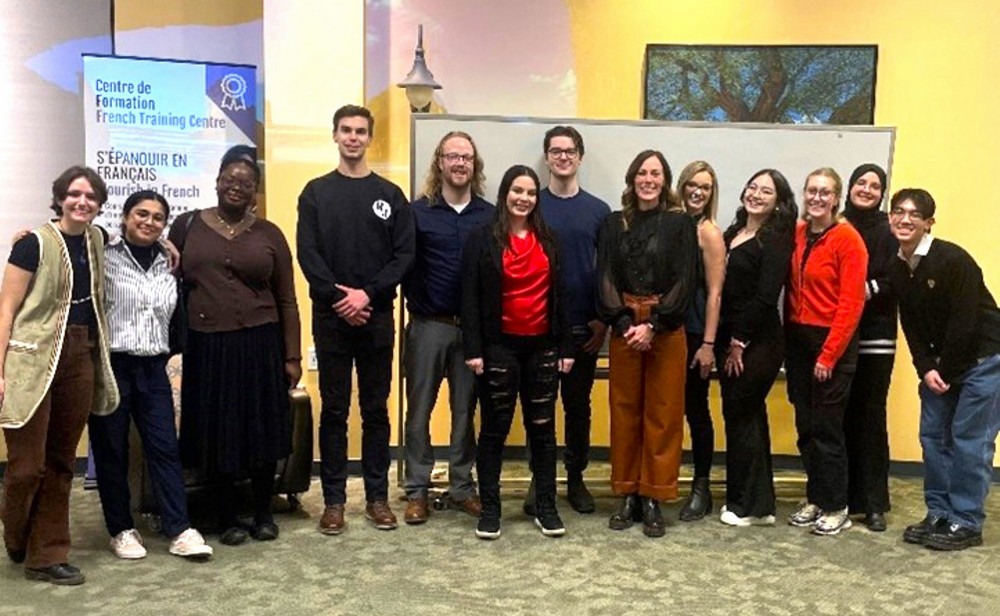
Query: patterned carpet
441	568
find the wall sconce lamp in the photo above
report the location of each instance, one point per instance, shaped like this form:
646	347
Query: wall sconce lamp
419	83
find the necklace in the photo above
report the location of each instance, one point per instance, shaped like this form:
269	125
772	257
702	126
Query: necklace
231	228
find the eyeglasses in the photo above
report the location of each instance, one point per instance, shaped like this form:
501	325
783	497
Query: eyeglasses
560	152
765	191
227	182
899	214
822	193
452	157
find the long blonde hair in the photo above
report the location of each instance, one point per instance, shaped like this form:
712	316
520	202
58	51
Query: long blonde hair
432	183
691	170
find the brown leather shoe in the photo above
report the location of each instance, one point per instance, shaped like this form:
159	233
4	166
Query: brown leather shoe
381	515
416	511
332	522
471	505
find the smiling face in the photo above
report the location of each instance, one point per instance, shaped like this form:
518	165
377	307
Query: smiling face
908	224
821	199
563	157
866	192
760	196
521	198
144	223
236	186
457	162
697	193
648	184
352	136
80	205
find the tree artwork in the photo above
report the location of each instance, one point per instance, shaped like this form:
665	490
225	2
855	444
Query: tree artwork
773	84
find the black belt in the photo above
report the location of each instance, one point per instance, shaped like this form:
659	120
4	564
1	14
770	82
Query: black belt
441	318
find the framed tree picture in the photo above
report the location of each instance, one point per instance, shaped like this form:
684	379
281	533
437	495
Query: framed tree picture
789	84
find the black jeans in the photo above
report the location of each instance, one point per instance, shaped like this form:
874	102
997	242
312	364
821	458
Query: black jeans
338	354
525	367
867	436
819	414
576	387
699	418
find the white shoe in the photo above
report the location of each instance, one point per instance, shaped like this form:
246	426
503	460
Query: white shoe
832	522
128	545
190	544
730	518
806	516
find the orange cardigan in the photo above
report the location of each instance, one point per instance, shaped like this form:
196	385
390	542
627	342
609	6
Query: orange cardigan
826	287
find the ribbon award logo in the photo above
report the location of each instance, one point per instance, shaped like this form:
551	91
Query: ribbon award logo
233	88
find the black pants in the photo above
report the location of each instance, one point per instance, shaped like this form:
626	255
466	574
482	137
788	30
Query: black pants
525	367
749	476
819	414
370	351
576	387
699	418
867	437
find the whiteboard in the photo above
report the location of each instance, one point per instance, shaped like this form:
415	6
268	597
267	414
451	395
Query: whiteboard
735	150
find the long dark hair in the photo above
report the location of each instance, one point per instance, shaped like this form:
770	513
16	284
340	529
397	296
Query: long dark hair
781	222
668	198
501	220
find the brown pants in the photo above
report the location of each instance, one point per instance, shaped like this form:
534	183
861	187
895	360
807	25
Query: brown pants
647	415
41	455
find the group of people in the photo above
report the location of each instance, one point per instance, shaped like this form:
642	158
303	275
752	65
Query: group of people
508	303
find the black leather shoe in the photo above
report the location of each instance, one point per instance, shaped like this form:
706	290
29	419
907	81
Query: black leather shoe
529	500
627	513
699	501
919	532
264	531
234	535
875	522
17	556
578	495
953	538
62	575
652	519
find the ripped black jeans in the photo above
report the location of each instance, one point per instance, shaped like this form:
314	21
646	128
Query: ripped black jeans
527	366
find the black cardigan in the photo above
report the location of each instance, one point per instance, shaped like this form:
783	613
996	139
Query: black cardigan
482	295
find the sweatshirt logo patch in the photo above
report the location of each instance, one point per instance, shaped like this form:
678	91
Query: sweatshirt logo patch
382	209
930	283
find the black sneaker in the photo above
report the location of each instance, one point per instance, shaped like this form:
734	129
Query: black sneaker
549	522
488	527
919	532
955	537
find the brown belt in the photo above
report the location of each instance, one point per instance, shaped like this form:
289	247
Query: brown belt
641	306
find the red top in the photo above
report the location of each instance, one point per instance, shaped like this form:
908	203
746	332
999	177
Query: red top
526	281
826	286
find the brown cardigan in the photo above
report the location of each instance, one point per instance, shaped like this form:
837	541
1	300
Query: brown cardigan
241	282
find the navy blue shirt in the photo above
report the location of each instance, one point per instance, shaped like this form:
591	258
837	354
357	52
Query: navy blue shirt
576	222
434	286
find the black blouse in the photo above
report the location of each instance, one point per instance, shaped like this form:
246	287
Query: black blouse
657	255
755	275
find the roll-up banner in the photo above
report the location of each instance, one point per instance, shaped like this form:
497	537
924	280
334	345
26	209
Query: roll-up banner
163	125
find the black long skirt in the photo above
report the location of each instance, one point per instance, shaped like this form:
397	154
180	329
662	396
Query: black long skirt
234	400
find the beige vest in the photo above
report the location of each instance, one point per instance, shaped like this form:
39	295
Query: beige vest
40	326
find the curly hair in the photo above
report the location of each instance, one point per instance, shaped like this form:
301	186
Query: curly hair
432	183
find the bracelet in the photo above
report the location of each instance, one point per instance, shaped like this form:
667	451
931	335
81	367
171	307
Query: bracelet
708	343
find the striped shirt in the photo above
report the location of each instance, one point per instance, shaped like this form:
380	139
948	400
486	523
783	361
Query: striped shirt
139	302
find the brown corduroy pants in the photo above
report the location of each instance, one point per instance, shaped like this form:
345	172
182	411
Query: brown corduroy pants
41	455
647	415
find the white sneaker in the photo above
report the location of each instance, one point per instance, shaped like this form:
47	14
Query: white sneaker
190	544
730	518
832	522
128	545
806	516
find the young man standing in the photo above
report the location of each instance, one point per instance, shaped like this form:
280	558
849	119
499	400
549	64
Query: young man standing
575	216
451	207
952	326
355	242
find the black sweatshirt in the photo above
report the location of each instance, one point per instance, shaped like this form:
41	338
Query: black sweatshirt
878	321
949	316
356	232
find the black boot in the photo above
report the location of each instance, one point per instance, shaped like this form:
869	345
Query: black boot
489	520
652	519
628	512
699	501
578	495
